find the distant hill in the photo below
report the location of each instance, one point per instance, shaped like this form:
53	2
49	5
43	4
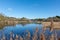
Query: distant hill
56	19
3	17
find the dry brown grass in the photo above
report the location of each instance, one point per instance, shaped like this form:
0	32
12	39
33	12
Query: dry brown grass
55	24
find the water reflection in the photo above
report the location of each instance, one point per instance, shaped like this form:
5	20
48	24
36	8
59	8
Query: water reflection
18	30
37	35
3	25
28	32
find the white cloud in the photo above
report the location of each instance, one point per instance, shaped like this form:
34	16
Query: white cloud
9	9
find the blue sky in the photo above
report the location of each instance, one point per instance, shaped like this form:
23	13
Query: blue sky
30	8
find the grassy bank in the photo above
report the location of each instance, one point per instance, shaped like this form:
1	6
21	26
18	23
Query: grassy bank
55	24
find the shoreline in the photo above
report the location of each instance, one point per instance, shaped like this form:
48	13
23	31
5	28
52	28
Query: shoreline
56	25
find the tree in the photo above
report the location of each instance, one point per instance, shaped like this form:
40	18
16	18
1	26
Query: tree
58	17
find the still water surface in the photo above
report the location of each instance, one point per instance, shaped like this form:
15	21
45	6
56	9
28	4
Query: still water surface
21	30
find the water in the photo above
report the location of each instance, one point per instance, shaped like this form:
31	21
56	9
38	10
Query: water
21	30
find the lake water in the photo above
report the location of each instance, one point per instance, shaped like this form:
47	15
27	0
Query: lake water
21	30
